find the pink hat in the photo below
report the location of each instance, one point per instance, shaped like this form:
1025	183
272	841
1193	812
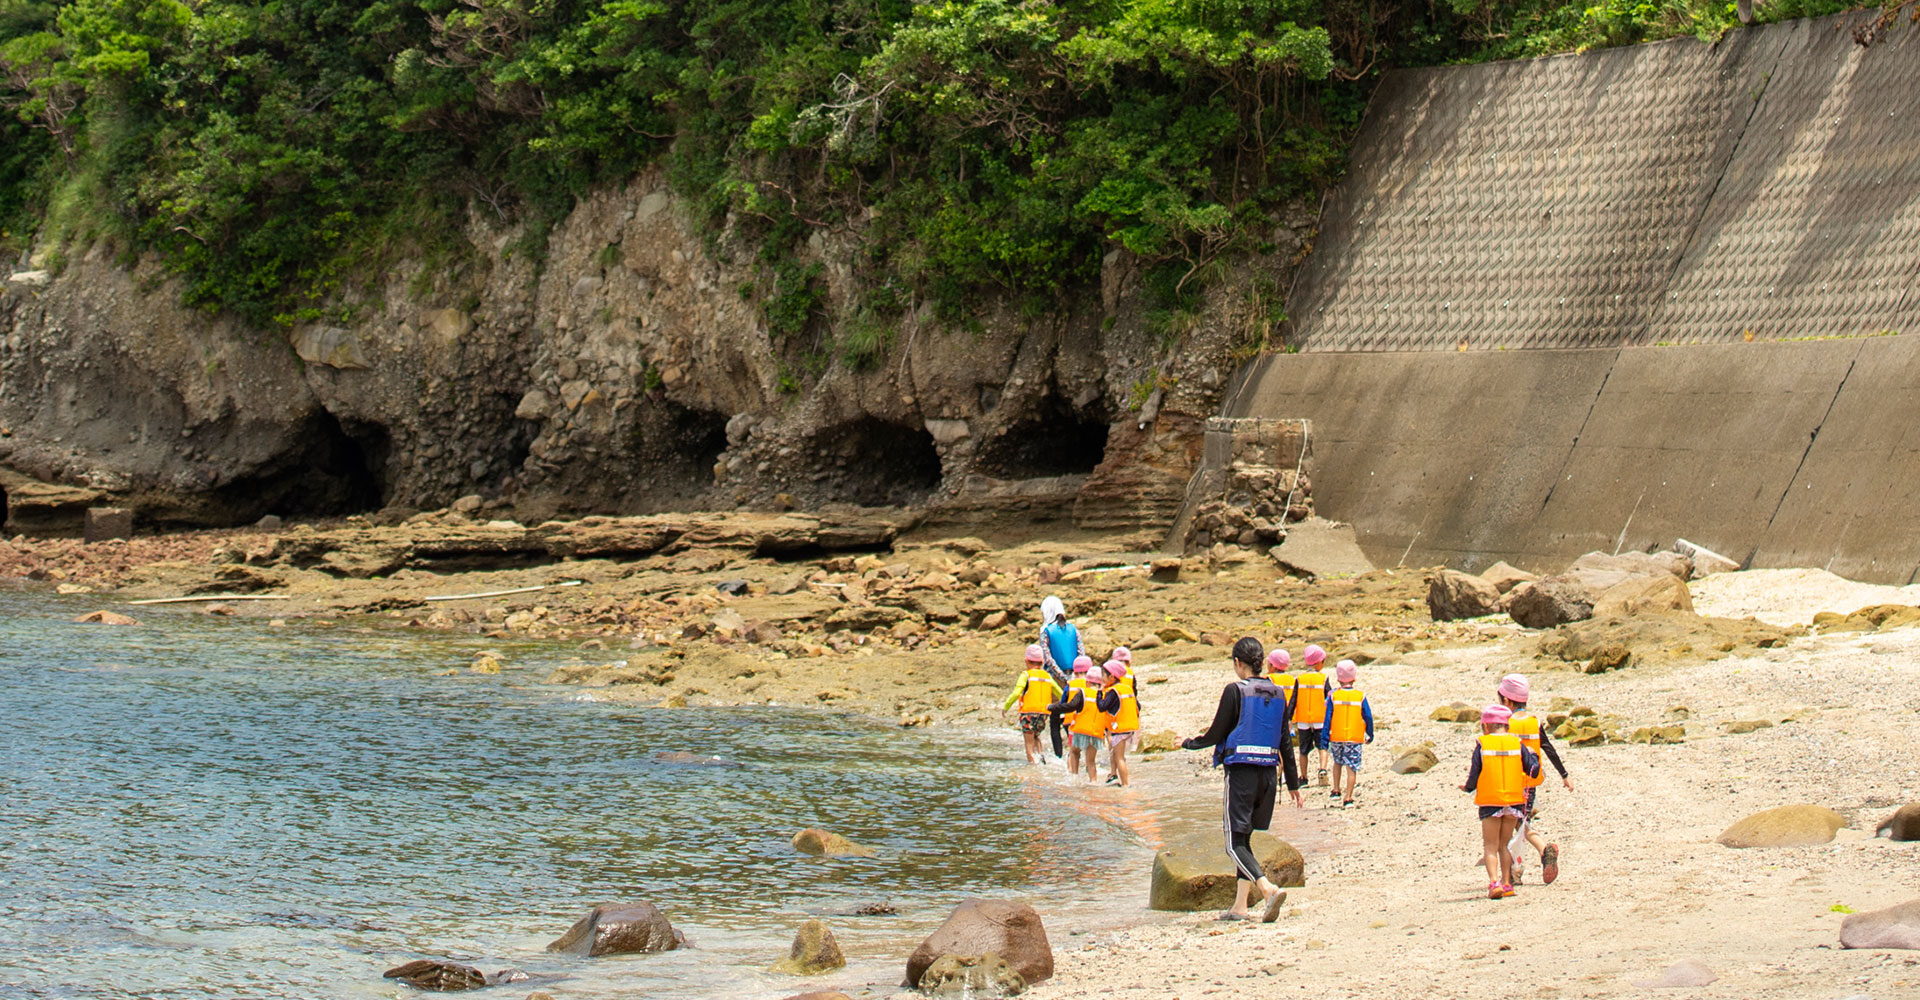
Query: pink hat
1035	654
1123	654
1115	669
1513	687
1082	664
1495	715
1096	674
1346	671
1314	656
1279	660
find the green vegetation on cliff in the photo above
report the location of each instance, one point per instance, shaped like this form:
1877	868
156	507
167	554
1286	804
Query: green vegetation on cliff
267	150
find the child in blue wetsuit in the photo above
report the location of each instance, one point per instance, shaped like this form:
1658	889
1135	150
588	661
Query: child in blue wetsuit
1061	642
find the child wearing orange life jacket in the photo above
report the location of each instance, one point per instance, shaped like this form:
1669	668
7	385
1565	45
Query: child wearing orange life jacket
1311	688
1121	703
1089	726
1498	780
1349	723
1513	693
1069	709
1034	691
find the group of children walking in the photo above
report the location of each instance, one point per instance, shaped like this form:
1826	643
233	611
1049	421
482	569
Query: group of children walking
1062	689
1273	719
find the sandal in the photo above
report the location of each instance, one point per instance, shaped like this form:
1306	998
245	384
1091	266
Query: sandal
1272	912
1550	864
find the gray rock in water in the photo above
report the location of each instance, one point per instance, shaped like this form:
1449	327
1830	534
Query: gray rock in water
1003	927
971	976
814	951
620	929
437	975
1688	972
822	844
1894	927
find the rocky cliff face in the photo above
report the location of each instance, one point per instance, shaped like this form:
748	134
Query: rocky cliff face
630	372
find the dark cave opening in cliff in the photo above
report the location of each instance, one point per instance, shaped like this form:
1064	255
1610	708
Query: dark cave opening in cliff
1052	439
339	467
681	446
877	464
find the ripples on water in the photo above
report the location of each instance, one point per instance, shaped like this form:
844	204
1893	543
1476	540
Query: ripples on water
210	808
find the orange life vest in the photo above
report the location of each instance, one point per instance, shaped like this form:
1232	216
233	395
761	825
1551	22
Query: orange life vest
1038	694
1091	721
1077	684
1127	719
1310	706
1527	727
1349	726
1503	781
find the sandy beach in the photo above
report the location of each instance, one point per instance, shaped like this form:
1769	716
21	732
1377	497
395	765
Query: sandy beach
1394	903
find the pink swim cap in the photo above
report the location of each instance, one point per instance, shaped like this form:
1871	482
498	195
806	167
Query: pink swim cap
1123	654
1346	671
1513	687
1314	656
1115	669
1082	664
1096	674
1035	654
1496	715
1279	660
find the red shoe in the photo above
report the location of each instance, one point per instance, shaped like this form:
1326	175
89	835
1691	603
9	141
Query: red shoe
1550	863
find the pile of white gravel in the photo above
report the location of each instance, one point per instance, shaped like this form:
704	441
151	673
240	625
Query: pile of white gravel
1790	596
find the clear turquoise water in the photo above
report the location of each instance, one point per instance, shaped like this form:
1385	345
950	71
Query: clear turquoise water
203	807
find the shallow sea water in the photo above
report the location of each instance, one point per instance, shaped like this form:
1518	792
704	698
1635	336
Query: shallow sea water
205	807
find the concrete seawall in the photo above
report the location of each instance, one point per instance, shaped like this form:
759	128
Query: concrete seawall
1791	454
1607	300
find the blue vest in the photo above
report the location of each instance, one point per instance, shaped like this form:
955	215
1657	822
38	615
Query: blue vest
1263	718
1063	641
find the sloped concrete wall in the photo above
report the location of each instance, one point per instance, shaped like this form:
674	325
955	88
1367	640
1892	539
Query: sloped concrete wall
1781	454
1669	193
1607	300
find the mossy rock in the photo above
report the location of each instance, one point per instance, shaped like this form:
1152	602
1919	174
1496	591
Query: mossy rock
1199	875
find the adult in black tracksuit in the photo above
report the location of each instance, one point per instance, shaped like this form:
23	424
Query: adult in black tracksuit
1252	738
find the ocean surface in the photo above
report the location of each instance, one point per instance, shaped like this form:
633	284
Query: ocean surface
212	807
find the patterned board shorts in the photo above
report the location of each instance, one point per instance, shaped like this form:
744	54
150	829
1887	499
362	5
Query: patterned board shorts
1033	722
1346	755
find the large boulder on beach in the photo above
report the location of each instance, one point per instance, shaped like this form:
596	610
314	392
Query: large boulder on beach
1641	594
620	929
1894	927
1200	876
822	844
1453	595
1505	577
1415	760
1787	826
1904	824
1003	927
1599	571
437	975
1550	602
972	976
814	951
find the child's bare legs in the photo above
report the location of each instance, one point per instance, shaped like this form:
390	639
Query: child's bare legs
1091	757
1337	772
1032	741
1493	846
1118	764
1508	825
1073	760
1353	778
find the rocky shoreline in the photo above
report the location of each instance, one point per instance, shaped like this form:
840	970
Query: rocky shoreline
920	628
